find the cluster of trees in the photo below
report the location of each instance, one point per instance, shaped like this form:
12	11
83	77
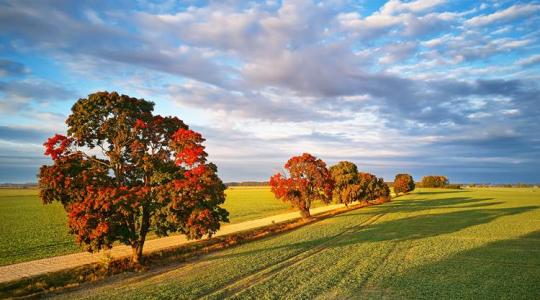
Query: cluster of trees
307	179
435	181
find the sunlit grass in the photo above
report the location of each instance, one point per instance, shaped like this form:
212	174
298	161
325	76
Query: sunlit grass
432	244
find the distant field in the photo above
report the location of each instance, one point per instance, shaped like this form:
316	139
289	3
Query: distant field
30	230
432	244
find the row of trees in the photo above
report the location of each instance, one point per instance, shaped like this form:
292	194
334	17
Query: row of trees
121	171
307	179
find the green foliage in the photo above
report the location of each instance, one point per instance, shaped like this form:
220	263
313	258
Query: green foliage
373	188
346	182
434	181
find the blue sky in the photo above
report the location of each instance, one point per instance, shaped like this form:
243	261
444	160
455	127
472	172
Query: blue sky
424	87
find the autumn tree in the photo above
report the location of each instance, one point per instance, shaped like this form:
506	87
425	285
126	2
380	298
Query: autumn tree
403	183
346	182
382	191
121	170
434	181
305	180
373	188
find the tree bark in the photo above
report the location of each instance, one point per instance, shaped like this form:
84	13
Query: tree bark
136	255
304	212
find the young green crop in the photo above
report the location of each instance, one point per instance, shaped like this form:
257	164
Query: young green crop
431	244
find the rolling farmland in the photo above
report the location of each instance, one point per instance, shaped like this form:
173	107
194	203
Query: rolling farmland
429	244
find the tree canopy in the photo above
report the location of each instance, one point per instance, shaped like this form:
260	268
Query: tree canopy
435	181
305	180
346	182
403	183
121	170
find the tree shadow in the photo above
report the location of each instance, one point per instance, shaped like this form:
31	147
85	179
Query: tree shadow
508	269
412	228
438	192
426	203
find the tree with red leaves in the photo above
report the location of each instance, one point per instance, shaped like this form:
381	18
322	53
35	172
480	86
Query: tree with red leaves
122	170
403	183
308	180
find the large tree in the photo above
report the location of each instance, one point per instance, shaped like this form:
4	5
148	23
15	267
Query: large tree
346	183
403	183
122	170
307	180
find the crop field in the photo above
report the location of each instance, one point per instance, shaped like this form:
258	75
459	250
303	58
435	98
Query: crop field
431	244
30	230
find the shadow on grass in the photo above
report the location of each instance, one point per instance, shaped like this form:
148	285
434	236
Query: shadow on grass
440	191
508	269
417	227
426	203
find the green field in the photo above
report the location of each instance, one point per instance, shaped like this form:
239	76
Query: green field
432	244
30	230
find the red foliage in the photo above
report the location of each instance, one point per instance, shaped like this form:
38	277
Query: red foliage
51	144
190	150
152	173
308	180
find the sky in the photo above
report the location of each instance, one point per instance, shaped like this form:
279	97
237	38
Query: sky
427	87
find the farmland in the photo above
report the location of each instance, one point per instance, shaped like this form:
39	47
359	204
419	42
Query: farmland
474	243
30	230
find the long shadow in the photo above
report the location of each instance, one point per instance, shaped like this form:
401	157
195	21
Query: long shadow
426	203
442	191
508	269
412	228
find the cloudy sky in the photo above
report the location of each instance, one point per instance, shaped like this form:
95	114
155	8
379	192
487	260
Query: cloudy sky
424	87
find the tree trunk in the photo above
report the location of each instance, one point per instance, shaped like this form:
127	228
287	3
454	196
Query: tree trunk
304	212
136	256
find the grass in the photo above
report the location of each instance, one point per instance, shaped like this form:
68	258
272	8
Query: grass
475	243
30	230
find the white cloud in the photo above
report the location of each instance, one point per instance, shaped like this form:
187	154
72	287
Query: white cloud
508	14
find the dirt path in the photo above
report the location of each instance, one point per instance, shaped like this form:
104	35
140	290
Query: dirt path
59	263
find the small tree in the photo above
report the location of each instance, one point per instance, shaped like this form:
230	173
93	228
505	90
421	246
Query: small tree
122	170
382	191
434	181
308	179
403	183
373	188
346	183
368	184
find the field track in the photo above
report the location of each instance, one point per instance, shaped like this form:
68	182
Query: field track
59	263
